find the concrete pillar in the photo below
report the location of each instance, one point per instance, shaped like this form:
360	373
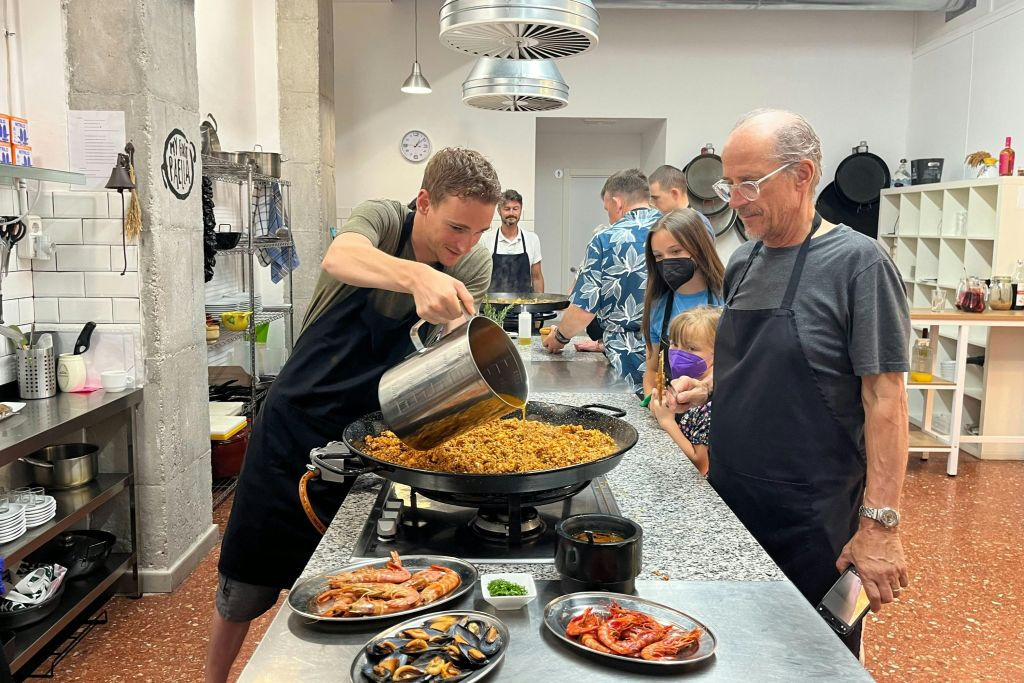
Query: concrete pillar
306	90
139	56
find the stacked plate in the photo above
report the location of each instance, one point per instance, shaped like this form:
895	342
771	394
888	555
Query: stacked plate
41	512
233	302
12	523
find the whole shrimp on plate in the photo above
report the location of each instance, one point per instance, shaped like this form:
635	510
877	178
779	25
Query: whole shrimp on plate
448	581
391	572
384	598
671	645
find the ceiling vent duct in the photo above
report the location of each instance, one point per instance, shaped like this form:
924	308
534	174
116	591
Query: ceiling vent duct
885	5
515	85
519	29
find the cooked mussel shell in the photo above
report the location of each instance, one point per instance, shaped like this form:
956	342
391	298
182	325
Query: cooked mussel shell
462	635
383	670
491	641
410	674
472	655
476	627
431	635
443	624
384	647
418	646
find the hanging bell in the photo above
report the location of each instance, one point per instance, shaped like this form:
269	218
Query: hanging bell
120	178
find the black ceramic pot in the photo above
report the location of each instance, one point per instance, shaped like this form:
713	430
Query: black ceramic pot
598	566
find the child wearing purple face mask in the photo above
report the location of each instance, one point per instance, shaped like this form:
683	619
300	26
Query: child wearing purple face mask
692	353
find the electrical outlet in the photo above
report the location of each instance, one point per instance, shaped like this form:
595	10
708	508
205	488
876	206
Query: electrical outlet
33	223
40	246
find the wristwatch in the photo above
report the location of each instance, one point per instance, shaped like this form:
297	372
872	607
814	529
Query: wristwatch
887	517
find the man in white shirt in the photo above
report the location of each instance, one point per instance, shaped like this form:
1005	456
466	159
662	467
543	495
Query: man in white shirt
515	253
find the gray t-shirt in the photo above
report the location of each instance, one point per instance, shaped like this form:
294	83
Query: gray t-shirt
851	310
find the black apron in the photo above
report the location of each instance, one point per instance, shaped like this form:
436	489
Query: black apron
779	457
330	379
510	272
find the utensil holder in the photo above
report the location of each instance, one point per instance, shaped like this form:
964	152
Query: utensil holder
37	374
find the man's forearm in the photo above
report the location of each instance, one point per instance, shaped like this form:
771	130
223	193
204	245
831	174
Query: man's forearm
353	260
574	321
886	438
538	284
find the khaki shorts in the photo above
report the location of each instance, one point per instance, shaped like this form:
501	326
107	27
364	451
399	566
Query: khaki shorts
237	601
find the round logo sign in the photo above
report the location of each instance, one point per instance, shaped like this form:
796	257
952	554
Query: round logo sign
179	164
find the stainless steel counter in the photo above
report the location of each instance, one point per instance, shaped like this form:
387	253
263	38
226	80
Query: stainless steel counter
766	632
570	372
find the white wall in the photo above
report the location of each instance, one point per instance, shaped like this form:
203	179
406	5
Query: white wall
966	92
848	72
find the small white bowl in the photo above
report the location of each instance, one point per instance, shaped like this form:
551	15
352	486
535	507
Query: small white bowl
509	602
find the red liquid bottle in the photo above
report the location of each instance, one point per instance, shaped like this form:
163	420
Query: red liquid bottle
1006	159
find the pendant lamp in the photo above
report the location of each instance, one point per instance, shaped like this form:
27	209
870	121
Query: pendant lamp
416	84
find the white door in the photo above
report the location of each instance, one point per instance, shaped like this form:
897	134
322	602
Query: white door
583	213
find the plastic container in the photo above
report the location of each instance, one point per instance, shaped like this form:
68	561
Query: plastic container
6	153
227	454
525	328
22	155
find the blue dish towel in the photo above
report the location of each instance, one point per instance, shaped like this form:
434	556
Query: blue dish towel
269	217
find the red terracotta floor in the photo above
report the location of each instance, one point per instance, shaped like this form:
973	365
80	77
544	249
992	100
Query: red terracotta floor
961	619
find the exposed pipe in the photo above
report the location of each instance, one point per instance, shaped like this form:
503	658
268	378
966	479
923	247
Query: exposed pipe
889	5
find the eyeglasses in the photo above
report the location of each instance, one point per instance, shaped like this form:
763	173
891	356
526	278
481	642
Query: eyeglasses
748	189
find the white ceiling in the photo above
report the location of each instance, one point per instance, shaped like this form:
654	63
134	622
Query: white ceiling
566	124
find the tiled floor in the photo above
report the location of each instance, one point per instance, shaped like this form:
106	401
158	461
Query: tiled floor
961	619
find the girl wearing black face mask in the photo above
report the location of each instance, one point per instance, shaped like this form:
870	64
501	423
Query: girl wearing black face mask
683	271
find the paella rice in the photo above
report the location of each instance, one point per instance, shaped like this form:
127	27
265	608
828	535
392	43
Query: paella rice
501	446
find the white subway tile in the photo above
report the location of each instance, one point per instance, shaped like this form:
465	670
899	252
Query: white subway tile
8	369
126	310
46	310
27	312
49	264
18	285
112	284
63	230
59	284
12	312
84	310
102	231
117	259
83	257
80	205
18	261
8	202
44	205
114	203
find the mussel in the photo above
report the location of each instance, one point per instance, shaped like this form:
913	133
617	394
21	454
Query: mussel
431	635
462	635
383	670
490	641
472	655
443	623
410	674
418	646
384	647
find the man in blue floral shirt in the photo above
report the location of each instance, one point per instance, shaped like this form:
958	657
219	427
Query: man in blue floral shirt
612	280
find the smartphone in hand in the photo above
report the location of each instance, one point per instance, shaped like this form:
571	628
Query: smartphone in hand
846	603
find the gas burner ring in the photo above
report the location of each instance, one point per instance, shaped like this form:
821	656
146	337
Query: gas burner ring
493	524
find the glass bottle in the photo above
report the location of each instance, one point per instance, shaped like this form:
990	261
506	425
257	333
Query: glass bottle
1006	159
901	178
1018	286
921	361
1000	294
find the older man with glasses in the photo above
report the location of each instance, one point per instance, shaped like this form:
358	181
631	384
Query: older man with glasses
808	440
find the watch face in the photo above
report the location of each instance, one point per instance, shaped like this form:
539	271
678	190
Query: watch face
888	517
415	146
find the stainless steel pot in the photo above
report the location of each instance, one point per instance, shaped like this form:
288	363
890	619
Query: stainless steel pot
472	376
269	163
65	466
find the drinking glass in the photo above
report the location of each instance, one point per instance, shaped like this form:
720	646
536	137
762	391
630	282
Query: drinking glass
37	494
21	495
5	503
938	300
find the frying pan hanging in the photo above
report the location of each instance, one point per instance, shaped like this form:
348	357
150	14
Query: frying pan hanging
722	220
861	217
702	173
860	178
708	207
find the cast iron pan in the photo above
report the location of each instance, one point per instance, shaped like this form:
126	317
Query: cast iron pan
708	207
861	217
860	178
723	220
702	172
499	485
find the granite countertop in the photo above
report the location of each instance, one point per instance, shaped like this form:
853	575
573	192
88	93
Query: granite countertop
689	533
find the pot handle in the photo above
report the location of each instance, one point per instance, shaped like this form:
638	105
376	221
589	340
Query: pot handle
37	463
210	116
612	410
328	467
414	335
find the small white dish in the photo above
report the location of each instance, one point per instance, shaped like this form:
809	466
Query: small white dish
14	408
14	511
509	602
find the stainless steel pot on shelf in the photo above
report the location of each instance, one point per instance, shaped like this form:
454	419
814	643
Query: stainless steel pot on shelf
65	466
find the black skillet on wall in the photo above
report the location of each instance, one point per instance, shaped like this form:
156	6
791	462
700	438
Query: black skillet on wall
853	197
